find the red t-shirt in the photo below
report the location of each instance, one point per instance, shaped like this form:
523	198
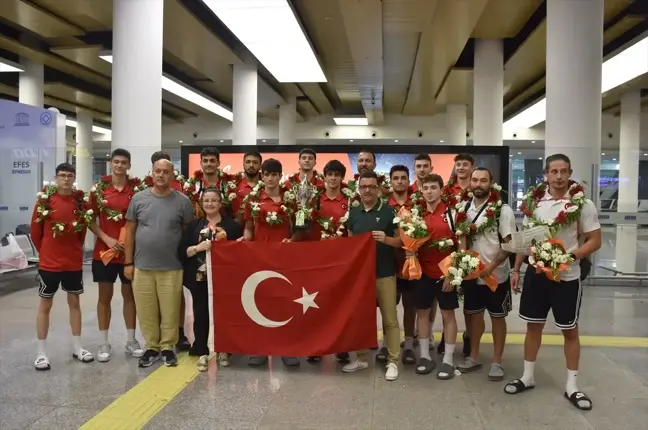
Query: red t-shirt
264	232
314	180
118	201
63	253
413	188
244	188
437	226
335	208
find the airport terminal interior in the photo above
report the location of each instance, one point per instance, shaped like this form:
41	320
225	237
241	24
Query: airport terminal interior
509	81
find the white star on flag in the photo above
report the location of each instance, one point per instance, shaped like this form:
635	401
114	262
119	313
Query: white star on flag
307	300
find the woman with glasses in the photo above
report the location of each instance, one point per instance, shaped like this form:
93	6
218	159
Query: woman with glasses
197	240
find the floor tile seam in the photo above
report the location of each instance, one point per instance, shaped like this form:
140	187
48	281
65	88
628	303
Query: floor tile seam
631	374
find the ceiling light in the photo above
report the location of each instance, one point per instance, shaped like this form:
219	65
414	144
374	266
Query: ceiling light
533	141
10	66
623	67
539	158
95	128
602	153
351	120
350	140
519	153
396	141
270	30
510	155
222	141
614	159
107	155
181	90
263	140
441	141
179	141
645	155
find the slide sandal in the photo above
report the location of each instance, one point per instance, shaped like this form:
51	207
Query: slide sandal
516	386
580	400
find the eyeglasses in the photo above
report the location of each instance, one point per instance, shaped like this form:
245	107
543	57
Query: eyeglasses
69	176
368	187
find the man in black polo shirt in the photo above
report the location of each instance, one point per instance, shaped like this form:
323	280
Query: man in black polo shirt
378	218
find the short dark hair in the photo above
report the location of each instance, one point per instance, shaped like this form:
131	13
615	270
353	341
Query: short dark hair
65	167
119	152
557	157
485	169
425	157
272	165
398	168
308	151
366	151
210	151
212	190
433	178
159	155
253	154
370	174
465	157
335	166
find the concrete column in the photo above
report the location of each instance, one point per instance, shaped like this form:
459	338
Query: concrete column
137	80
31	83
574	58
456	124
245	104
287	122
84	161
488	92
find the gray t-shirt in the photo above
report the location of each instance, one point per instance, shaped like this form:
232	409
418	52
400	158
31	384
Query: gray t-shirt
160	221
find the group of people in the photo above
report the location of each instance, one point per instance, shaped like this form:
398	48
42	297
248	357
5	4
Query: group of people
154	234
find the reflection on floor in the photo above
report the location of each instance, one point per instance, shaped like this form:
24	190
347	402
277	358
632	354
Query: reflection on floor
317	396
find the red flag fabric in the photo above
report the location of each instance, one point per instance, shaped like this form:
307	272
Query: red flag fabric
294	299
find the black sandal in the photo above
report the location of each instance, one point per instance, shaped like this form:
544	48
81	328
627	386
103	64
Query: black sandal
381	357
425	366
519	387
408	357
579	396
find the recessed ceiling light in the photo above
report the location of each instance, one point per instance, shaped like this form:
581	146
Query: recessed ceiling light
107	155
351	120
519	153
273	34
179	141
602	153
350	140
614	159
263	140
222	141
645	155
396	140
539	158
533	141
441	141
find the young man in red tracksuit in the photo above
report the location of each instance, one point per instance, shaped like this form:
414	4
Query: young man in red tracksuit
58	230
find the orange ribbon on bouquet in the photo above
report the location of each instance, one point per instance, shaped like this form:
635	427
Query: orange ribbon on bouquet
108	255
553	274
411	268
489	280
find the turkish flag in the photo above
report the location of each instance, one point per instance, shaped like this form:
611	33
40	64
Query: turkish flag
294	299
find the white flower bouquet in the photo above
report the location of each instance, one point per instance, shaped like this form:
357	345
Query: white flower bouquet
550	257
413	232
465	265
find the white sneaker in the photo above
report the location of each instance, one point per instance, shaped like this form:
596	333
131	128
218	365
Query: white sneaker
355	366
103	355
392	372
133	348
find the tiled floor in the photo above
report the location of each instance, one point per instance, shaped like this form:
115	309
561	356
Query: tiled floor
320	396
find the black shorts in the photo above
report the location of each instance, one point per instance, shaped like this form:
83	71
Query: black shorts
403	286
426	289
109	273
562	298
478	298
70	282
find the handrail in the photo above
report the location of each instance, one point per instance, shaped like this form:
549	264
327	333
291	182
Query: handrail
624	274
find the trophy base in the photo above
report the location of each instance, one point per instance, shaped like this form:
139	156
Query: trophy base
305	226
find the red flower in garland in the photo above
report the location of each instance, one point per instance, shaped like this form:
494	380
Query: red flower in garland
148	181
490	212
561	217
198	175
106	178
134	182
461	217
78	195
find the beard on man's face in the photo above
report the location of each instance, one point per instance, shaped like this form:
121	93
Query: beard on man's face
480	192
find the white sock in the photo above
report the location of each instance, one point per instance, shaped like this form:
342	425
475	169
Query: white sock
130	334
527	376
424	348
76	344
409	343
104	336
449	351
41	347
571	387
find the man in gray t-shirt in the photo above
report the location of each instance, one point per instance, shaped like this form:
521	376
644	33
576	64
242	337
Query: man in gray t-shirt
155	220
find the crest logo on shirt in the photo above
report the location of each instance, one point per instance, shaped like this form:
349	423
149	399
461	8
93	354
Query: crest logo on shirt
377	219
444	217
344	207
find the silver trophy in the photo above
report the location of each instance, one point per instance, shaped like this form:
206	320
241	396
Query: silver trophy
304	193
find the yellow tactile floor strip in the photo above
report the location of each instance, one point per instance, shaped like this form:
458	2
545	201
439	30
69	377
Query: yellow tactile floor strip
136	407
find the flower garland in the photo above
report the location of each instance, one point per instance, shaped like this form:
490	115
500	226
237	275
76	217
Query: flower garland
465	227
147	182
565	217
227	184
287	209
330	227
84	216
101	202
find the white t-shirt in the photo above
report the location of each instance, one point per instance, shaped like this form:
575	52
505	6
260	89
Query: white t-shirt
488	244
548	209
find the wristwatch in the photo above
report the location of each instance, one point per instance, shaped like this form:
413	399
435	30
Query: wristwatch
128	264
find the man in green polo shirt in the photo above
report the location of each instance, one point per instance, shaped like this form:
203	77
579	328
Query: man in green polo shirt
374	216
